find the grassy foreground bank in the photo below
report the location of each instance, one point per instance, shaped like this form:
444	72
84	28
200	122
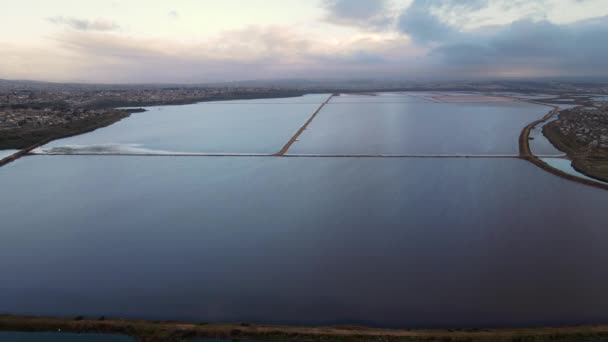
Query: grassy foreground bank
178	331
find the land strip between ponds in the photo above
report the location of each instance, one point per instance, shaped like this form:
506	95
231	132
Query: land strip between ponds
183	331
302	129
526	153
478	156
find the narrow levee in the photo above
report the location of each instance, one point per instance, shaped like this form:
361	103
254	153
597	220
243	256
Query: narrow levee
302	129
22	153
249	155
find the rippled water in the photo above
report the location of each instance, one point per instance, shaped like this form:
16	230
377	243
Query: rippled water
389	242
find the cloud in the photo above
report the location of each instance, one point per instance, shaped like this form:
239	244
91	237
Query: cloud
534	48
423	26
254	52
530	46
431	40
85	24
363	13
422	23
173	14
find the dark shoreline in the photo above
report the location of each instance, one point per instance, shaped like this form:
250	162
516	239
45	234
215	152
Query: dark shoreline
143	330
24	139
64	132
526	153
60	133
579	164
113	103
27	141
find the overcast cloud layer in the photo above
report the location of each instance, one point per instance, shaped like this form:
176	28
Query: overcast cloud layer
408	40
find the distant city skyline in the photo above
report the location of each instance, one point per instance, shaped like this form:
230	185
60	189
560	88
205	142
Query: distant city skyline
198	41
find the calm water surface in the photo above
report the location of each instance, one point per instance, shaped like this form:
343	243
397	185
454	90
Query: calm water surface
565	165
236	127
6	153
305	99
540	145
422	128
526	96
381	98
388	242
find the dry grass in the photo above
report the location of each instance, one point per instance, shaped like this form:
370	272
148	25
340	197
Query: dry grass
176	331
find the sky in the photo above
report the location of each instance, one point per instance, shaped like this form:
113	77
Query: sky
199	41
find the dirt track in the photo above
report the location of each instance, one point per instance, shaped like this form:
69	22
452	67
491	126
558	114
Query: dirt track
302	129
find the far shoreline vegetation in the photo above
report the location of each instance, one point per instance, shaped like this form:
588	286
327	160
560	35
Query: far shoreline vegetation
151	331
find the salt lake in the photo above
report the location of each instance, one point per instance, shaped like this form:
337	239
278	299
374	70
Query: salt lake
391	242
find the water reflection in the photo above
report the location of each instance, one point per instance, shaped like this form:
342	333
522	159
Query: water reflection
198	128
321	241
418	128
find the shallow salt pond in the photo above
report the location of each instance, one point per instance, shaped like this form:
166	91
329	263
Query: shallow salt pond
384	123
390	242
238	127
418	128
526	95
305	99
380	98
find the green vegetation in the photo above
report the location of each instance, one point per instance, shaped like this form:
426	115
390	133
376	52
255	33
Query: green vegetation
586	158
21	138
114	102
